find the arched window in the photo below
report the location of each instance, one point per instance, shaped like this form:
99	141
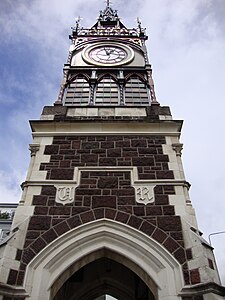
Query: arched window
136	92
107	91
78	92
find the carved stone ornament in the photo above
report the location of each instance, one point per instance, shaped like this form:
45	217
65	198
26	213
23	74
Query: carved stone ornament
34	148
145	194
64	194
178	147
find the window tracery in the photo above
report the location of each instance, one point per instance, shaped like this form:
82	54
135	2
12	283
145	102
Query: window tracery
107	91
136	91
78	91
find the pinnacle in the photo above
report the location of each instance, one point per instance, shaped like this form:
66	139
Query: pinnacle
108	2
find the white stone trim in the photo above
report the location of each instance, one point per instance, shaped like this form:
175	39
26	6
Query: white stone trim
16	241
175	163
34	172
133	170
106	111
161	267
165	117
47	117
42	128
141	181
144	188
89	133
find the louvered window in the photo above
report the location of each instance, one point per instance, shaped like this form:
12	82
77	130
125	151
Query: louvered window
78	92
107	92
136	92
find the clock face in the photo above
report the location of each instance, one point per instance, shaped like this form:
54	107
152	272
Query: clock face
109	54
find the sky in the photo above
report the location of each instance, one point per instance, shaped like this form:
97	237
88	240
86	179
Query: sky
186	48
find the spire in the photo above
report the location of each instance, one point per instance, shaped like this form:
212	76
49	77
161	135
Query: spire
108	15
139	24
107	3
139	28
108	24
77	26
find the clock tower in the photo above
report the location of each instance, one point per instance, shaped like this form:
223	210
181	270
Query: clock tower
105	208
107	67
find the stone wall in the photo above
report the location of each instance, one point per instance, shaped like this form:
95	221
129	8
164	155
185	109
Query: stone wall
105	194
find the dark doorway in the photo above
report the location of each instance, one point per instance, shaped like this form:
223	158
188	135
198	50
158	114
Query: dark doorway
104	277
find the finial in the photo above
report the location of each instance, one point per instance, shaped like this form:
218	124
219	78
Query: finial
108	2
139	23
77	27
140	29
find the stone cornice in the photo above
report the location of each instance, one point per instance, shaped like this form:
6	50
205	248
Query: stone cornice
131	127
201	289
9	290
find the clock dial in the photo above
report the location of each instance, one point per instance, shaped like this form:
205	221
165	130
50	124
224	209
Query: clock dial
108	54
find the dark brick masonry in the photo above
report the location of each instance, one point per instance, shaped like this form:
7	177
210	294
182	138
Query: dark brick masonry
145	152
105	194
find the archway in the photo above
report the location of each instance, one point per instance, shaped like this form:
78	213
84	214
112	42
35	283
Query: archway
141	255
102	277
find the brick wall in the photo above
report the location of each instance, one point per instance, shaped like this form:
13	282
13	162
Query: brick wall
145	152
105	194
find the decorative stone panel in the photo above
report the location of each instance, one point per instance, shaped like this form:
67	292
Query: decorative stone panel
64	193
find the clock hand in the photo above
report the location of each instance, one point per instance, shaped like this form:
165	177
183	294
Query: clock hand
111	51
107	51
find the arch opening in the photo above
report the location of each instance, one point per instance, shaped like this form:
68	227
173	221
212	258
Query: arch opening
65	256
103	277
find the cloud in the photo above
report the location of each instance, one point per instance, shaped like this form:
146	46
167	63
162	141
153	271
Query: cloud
10	190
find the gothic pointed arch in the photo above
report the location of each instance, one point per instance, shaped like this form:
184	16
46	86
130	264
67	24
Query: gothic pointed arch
156	235
73	77
107	274
77	90
135	74
136	90
111	75
75	249
107	91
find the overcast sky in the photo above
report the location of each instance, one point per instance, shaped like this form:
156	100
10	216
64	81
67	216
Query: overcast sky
186	47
